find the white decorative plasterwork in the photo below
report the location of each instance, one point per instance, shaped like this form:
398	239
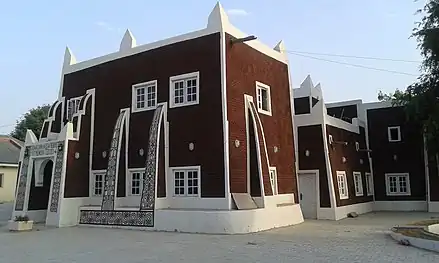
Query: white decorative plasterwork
57	176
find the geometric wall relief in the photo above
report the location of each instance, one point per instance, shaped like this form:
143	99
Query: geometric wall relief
21	191
137	218
43	149
147	200
110	176
59	162
117	218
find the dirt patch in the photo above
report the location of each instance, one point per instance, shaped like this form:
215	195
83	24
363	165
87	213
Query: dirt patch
415	232
425	222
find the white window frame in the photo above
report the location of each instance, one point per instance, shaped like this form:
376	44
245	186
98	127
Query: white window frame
143	85
259	86
129	182
93	182
273	180
184	77
398	192
76	109
369	184
186	170
358	183
389	134
342	175
2	180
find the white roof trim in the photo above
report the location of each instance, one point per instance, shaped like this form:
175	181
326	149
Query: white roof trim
343	103
218	22
8	165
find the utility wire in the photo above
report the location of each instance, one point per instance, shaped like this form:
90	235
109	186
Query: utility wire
355	65
357	57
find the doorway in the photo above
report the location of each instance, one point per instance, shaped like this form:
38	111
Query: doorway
308	194
40	185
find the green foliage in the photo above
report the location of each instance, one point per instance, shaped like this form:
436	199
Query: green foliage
23	218
32	120
421	99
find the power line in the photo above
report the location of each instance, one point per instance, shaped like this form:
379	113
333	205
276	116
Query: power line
357	57
355	65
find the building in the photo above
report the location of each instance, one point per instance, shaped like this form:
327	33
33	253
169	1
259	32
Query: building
192	133
359	157
9	157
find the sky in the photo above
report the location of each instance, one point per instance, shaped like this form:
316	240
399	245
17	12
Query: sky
34	35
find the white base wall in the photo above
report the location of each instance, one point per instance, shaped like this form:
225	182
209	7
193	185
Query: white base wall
361	208
433	207
342	211
400	206
224	222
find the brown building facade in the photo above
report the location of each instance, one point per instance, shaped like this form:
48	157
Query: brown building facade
199	122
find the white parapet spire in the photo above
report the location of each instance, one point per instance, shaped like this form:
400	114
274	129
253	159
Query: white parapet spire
69	58
280	47
128	41
218	18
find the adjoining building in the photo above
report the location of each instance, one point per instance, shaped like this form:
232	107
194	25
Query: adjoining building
192	133
359	157
9	167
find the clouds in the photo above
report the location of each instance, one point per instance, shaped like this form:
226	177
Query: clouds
237	12
107	27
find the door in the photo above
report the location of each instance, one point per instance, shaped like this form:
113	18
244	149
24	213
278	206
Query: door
308	194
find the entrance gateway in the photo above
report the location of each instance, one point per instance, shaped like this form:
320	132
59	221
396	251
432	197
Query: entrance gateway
308	193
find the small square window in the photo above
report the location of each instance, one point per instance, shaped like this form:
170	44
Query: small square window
394	133
144	96
342	185
263	98
184	90
398	184
186	182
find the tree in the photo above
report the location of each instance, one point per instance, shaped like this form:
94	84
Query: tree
421	99
32	120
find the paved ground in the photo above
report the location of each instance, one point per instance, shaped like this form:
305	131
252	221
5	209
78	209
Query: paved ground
363	239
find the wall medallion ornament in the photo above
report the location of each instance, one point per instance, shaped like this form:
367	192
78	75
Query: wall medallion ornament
191	146
141	152
76	155
237	143
276	149
104	154
307	153
343	159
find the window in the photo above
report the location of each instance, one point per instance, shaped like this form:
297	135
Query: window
186	182
98	184
342	185
184	89
1	180
394	134
144	96
369	184
273	180
358	184
264	98
398	184
73	107
136	185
